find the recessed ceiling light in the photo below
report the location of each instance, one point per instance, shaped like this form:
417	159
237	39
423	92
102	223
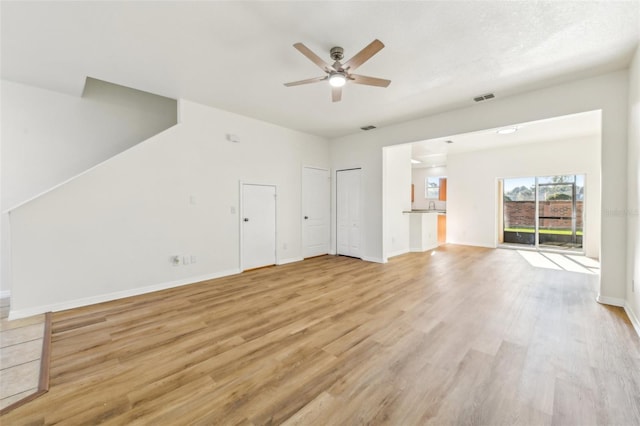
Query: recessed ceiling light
507	130
415	161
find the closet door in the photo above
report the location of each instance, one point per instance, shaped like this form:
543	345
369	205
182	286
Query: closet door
348	212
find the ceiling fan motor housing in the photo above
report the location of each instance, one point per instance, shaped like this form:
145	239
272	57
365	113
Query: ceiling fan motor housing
337	53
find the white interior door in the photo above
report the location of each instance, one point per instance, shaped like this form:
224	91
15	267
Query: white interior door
315	211
258	226
348	215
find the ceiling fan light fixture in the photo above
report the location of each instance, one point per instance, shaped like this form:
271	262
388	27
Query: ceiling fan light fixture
338	73
337	79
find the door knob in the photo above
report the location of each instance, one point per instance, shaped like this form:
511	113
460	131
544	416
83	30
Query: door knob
306	217
246	219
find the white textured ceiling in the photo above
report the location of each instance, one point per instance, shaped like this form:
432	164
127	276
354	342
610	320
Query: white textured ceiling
237	55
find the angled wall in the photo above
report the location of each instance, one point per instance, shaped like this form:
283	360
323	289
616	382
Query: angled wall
112	231
49	137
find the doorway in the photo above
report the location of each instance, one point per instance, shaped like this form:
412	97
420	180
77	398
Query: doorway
258	226
544	212
348	212
316	210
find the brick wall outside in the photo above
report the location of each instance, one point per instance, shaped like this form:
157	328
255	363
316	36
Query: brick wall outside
519	214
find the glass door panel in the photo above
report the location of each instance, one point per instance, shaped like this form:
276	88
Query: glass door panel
519	211
558	212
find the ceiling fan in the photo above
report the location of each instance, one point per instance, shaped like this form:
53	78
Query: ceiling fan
339	74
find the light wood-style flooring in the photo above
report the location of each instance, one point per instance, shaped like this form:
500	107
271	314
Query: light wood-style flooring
467	336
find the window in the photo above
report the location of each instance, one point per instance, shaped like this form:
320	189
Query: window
432	187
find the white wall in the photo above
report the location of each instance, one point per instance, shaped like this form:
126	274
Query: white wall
397	198
633	197
606	92
48	137
473	197
111	232
418	178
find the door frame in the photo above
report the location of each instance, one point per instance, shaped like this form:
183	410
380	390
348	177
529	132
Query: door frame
302	224
360	214
241	184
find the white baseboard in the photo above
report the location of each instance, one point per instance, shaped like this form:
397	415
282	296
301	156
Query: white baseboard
622	303
374	259
5	293
613	301
290	260
92	300
634	319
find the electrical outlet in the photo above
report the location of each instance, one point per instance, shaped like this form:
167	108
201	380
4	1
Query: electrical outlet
194	259
185	260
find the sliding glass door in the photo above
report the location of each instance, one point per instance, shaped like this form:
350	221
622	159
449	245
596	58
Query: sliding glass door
543	211
519	211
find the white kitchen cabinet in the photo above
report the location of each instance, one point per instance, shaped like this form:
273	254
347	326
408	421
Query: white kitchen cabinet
423	231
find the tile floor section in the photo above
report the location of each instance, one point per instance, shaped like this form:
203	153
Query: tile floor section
20	351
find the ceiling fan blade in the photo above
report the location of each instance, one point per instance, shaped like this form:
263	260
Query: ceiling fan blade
364	55
307	81
369	81
336	94
313	57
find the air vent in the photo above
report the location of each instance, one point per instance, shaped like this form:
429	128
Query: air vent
484	97
369	127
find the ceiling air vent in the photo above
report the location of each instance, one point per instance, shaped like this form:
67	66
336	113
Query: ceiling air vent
484	97
369	127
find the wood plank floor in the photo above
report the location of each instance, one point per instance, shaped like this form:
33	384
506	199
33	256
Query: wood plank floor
468	336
